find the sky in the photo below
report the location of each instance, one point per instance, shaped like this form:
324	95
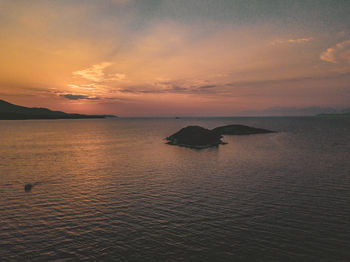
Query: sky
175	57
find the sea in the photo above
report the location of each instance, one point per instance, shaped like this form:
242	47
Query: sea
113	190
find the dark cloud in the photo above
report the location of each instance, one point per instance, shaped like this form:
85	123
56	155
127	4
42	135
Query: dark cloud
287	80
153	89
126	90
178	88
207	86
170	87
78	97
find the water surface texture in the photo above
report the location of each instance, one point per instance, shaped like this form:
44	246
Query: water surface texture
113	190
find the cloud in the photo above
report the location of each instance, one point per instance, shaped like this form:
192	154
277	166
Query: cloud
117	77
94	73
171	87
291	41
78	97
339	53
84	86
179	89
299	40
207	86
98	77
120	1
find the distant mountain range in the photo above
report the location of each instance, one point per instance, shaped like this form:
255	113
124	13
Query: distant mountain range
335	115
10	111
296	111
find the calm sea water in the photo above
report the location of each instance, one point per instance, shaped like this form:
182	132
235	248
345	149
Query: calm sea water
112	190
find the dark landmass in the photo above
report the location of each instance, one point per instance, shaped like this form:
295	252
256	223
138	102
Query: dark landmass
199	137
335	115
195	137
10	111
240	130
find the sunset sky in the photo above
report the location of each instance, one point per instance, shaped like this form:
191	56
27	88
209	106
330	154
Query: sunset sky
175	57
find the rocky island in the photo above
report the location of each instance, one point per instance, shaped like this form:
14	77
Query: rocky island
199	137
240	130
195	137
10	111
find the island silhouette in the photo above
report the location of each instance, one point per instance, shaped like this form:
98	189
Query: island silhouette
199	137
10	111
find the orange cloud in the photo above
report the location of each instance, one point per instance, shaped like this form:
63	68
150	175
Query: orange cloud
94	73
291	41
338	53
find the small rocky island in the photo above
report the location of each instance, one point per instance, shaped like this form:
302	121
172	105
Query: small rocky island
240	130
195	137
199	137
